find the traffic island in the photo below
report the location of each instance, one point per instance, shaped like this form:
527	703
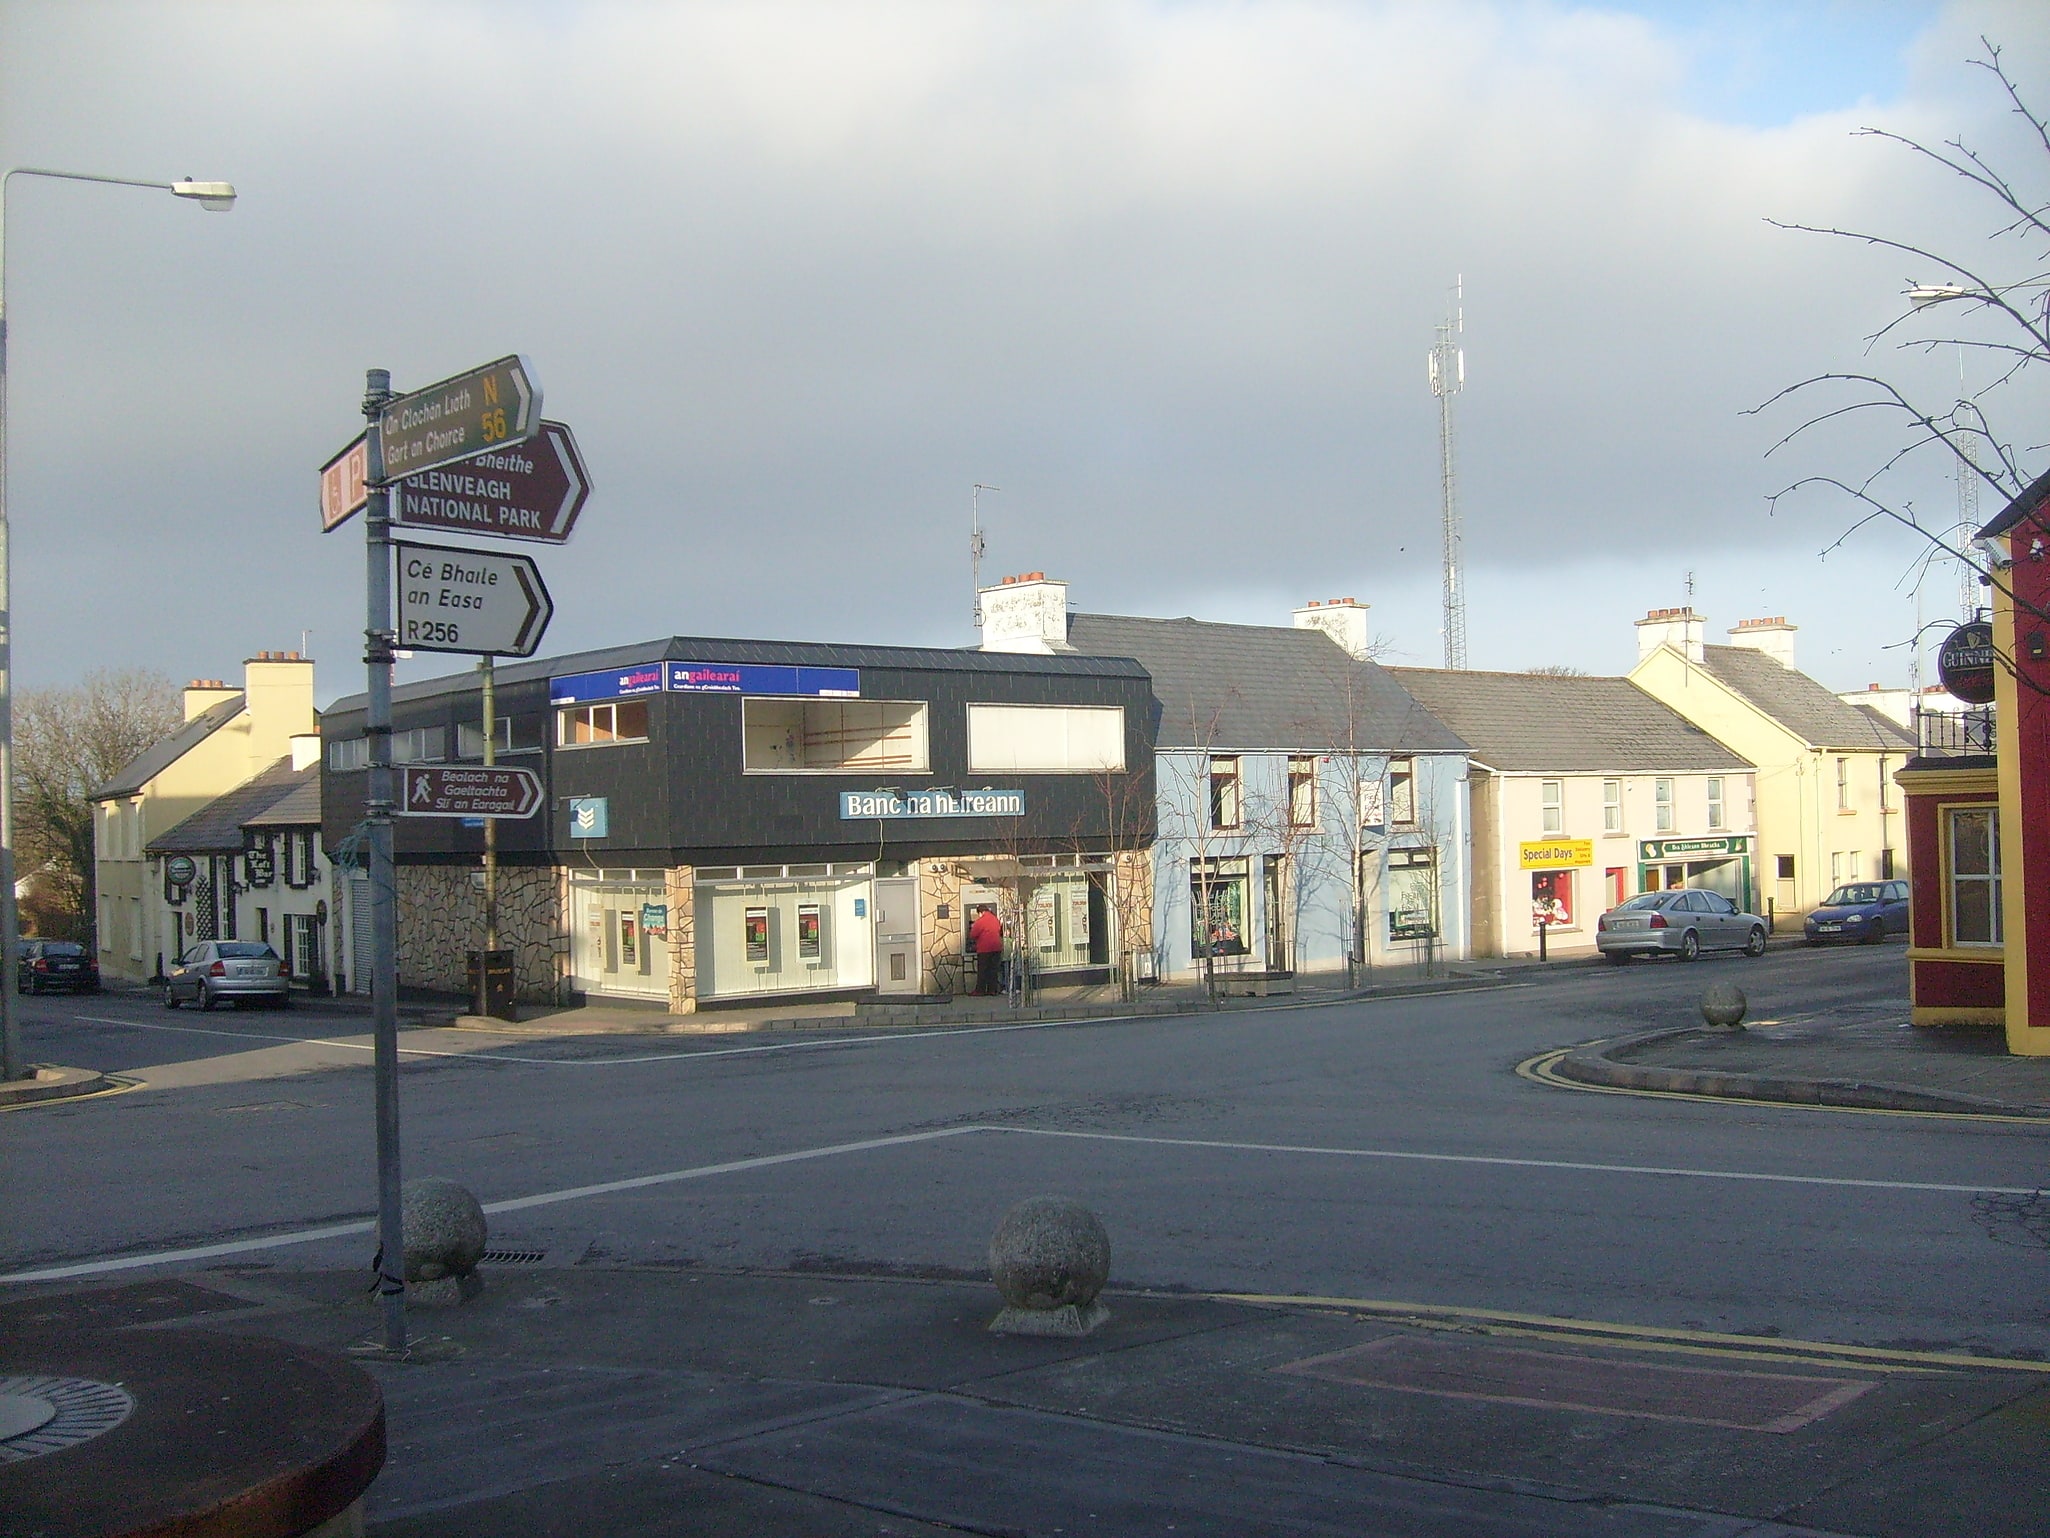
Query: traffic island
184	1431
48	1083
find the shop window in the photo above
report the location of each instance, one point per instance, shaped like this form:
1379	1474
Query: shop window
1715	802
348	753
1302	792
420	745
1402	792
509	734
600	725
1662	797
1217	907
1975	917
1412	894
1612	806
1046	739
1551	898
1227	811
1553	794
784	736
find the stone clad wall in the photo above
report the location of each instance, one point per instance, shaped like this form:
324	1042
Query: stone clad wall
441	920
943	968
683	946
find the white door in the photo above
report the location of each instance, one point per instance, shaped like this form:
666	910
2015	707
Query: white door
896	927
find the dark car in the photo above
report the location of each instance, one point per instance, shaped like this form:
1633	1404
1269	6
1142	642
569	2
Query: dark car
47	964
1682	922
1866	911
231	970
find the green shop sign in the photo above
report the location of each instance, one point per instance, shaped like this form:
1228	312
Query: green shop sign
1674	848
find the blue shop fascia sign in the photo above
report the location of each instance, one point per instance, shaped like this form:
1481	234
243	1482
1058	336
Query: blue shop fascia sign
706	678
861	805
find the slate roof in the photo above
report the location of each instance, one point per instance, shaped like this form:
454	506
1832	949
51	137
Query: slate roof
217	827
166	751
1247	688
1802	705
715	649
1541	723
299	807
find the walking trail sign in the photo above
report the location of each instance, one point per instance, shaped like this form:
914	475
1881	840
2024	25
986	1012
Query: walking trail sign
448	790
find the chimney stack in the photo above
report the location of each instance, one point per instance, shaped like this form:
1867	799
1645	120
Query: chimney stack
1027	613
1342	619
1680	629
1774	637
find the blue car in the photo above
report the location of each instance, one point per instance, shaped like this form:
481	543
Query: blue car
1867	911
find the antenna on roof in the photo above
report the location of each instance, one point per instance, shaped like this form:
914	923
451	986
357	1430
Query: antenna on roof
1448	374
975	545
1690	589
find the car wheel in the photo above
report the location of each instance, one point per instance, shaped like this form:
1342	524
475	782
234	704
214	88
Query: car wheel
207	1001
1876	933
1755	946
1690	946
170	997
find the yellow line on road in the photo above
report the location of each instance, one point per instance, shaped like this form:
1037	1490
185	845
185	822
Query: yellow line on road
1596	1332
117	1084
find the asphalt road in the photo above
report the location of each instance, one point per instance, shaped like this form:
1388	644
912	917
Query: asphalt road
1381	1150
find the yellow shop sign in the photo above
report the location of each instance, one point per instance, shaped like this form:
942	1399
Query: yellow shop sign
1556	853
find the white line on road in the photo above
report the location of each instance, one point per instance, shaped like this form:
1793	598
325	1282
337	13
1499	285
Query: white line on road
866	1145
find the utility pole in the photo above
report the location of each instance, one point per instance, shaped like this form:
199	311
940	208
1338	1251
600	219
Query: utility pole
488	667
975	546
1448	374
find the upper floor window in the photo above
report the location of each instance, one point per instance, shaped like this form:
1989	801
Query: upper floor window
509	734
348	753
420	745
1553	794
1715	801
1402	792
1843	785
1226	808
1302	791
302	867
1662	799
792	736
1046	739
1612	806
1974	840
599	725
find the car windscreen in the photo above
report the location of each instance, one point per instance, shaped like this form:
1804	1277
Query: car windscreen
1851	896
62	948
1647	900
245	950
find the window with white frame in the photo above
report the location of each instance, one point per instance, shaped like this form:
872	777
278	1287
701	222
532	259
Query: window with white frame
1402	792
1046	739
1302	791
348	753
1227	808
1715	801
602	724
1612	806
1552	795
509	735
1974	849
793	736
1843	785
420	745
1662	804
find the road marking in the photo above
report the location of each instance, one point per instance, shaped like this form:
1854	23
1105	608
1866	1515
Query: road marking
1542	1069
1632	1336
515	1204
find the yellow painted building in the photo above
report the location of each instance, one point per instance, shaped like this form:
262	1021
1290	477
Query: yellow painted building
229	737
1828	809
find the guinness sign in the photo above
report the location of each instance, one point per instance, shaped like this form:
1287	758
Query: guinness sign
1965	662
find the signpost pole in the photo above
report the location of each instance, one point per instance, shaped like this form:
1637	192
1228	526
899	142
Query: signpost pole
384	912
489	668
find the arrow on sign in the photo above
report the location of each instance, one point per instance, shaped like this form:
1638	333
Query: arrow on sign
448	790
477	602
531	491
492	407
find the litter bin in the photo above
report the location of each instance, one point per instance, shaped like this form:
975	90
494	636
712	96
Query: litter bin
491	984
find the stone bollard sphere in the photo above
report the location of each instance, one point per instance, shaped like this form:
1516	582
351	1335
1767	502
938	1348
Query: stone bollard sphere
1049	1258
1723	1006
444	1230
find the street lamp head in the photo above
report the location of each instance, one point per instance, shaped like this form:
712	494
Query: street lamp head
215	197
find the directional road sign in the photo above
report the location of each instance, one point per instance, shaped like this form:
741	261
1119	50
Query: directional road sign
453	790
490	407
533	490
473	601
344	485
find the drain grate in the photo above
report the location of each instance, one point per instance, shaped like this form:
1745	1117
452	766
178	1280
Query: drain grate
512	1257
84	1409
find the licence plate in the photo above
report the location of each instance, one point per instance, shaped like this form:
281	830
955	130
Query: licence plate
1827	929
252	969
1626	923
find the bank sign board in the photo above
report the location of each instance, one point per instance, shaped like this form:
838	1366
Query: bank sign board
705	678
870	805
1556	853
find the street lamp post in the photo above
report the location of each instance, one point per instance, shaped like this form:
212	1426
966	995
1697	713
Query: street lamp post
218	197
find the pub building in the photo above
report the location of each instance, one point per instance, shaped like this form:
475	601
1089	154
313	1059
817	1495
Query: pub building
731	820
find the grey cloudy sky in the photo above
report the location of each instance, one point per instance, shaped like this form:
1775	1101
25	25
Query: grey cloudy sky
799	274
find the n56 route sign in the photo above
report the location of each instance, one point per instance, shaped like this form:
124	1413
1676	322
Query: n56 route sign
532	490
470	601
451	790
495	406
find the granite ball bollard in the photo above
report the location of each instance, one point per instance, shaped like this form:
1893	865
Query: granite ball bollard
1049	1258
1723	1006
444	1236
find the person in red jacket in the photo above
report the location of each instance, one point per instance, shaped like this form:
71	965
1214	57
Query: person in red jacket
986	940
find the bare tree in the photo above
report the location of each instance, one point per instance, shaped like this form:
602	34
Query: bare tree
1204	809
67	744
2008	284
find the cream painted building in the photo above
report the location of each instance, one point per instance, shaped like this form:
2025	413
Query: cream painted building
230	737
1585	791
1828	810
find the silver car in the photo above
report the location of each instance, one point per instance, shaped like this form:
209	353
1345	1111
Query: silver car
1683	922
233	970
